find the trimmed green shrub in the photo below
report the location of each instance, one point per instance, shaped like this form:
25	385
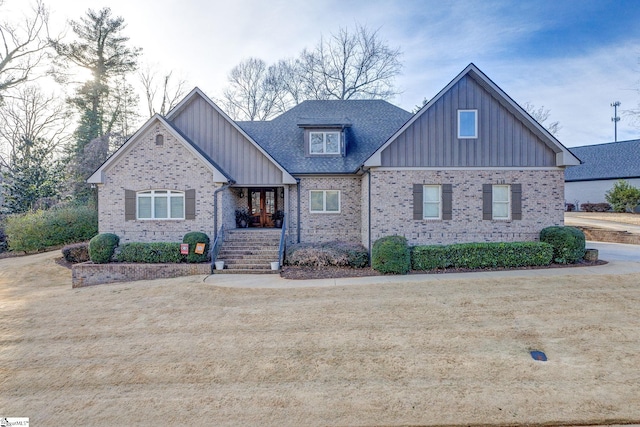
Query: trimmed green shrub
342	254
192	239
36	231
152	253
481	255
102	247
568	243
77	252
391	255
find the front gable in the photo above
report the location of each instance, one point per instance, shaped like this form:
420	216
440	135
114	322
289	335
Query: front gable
199	119
504	136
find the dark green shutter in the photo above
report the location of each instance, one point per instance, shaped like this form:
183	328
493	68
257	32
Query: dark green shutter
129	205
516	201
190	204
417	201
447	201
487	201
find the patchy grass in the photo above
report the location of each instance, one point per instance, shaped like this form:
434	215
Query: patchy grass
449	351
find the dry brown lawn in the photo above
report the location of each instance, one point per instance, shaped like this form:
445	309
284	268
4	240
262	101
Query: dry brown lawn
185	352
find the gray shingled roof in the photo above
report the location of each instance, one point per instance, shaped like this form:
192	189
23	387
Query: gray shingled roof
613	160
370	123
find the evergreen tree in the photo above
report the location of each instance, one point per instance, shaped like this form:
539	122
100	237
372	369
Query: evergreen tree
105	103
32	179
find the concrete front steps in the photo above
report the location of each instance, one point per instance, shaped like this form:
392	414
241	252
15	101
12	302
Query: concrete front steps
249	251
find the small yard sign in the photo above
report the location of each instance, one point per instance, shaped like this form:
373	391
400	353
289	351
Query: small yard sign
184	248
199	248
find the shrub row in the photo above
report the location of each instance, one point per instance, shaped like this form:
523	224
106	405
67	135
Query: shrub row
562	245
156	252
36	231
595	207
481	255
342	254
102	249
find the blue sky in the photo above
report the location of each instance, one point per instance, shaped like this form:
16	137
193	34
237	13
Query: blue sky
573	57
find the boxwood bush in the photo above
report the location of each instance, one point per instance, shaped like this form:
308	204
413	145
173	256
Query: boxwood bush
342	254
568	243
391	255
157	252
36	231
481	255
102	247
192	239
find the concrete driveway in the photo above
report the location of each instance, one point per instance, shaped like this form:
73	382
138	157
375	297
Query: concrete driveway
616	251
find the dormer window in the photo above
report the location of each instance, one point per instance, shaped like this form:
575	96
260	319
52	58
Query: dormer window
324	142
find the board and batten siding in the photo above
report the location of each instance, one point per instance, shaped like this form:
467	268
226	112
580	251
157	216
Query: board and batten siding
227	146
503	140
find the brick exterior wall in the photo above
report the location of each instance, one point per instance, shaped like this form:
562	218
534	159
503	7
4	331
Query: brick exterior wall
326	227
146	166
89	274
392	205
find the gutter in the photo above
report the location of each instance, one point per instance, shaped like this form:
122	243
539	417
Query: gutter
298	220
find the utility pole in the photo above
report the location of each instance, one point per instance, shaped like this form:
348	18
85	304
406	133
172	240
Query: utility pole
615	119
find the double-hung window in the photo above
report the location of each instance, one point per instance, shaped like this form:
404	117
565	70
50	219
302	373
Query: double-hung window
324	142
467	124
501	203
431	202
324	201
160	204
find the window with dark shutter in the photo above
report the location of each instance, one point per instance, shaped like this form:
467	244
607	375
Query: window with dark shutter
190	204
129	205
487	201
447	201
417	201
516	202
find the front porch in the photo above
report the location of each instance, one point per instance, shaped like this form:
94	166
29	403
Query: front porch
259	207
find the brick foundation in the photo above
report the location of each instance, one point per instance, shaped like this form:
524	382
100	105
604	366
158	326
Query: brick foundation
89	274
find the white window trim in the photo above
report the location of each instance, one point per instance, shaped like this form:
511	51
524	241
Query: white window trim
475	131
152	195
508	203
324	143
432	218
324	202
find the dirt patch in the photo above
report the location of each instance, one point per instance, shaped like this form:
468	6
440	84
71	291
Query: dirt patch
445	352
625	218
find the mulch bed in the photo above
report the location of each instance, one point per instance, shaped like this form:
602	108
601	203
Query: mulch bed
308	273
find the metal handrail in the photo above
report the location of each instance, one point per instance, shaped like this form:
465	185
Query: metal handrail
217	243
282	242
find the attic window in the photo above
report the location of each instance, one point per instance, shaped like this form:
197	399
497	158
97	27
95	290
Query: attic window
467	124
159	140
324	142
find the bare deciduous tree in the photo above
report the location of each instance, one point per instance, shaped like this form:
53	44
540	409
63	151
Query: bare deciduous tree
23	47
162	93
347	65
350	65
541	115
32	115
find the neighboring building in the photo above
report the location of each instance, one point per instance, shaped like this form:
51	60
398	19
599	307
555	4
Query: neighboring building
471	165
602	165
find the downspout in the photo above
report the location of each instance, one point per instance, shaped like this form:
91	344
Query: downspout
369	209
298	221
215	207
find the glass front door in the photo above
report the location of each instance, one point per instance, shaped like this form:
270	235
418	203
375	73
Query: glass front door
262	204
